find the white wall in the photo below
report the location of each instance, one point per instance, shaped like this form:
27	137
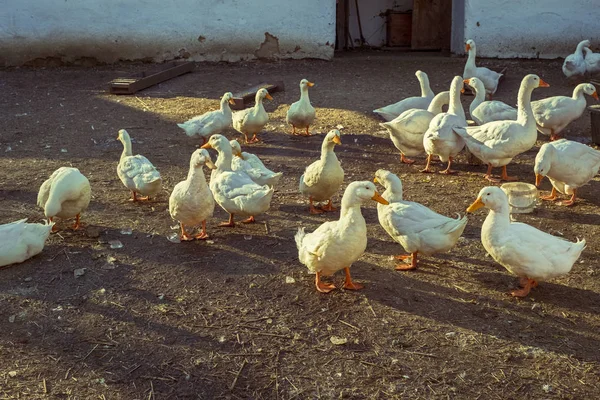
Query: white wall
213	30
529	29
373	23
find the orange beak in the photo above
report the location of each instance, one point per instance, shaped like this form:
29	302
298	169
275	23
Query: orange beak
232	101
595	95
543	84
206	146
310	84
337	140
538	180
477	204
462	90
467	47
375	180
268	97
466	81
377	197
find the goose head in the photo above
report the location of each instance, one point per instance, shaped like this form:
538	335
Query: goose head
123	136
228	97
333	137
201	157
543	162
491	197
236	148
476	84
263	94
533	81
217	142
361	191
305	84
388	180
590	90
470	45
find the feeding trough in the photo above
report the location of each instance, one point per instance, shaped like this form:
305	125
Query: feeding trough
522	197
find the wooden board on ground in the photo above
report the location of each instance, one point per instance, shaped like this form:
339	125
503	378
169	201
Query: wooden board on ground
246	96
143	80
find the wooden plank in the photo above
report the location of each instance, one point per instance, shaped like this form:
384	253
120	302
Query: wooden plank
246	96
431	24
143	80
341	19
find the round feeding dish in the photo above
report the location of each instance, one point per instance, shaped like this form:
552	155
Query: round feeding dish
522	197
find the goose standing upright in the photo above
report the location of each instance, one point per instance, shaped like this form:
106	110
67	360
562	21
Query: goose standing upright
136	172
393	110
496	143
20	241
592	61
211	122
252	120
574	65
301	114
440	138
483	111
489	78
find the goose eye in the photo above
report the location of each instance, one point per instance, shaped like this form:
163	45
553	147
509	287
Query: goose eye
488	194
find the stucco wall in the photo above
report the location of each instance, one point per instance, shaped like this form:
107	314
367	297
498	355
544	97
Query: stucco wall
157	30
529	29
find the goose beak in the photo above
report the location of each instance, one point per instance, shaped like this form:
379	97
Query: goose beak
477	204
467	47
375	180
466	81
337	140
595	95
543	84
232	101
538	180
239	154
268	97
310	84
462	90
377	197
206	146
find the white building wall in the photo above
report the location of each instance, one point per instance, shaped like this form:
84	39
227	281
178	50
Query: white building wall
158	30
528	29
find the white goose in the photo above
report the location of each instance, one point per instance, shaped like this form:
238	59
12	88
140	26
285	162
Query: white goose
440	139
393	110
191	201
336	245
523	250
574	65
66	194
252	120
483	111
211	122
301	114
496	143
569	165
592	61
417	228
253	166
20	241
235	191
489	78
553	114
407	130
136	172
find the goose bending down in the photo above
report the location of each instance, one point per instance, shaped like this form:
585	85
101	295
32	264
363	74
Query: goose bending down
525	251
417	228
496	143
574	65
19	241
336	245
253	166
324	177
483	111
553	114
252	120
301	114
569	165
191	201
212	122
489	78
393	110
407	130
66	194
440	139
592	61
233	190
136	172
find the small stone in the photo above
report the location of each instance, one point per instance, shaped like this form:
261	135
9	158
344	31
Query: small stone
289	279
59	308
547	388
339	126
174	238
63	150
111	260
115	244
247	237
338	340
450	334
28	279
79	272
126	231
12	318
161	296
12	374
92	232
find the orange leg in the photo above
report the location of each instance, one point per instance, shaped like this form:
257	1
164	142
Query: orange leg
77	224
54	228
552	195
527	285
136	198
407	267
308	132
202	235
184	235
427	169
329	207
250	220
406	160
246	140
571	201
323	287
505	176
348	283
488	175
255	139
313	209
448	171
294	130
230	223
553	136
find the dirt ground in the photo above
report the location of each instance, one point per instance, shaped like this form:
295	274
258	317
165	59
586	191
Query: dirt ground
216	319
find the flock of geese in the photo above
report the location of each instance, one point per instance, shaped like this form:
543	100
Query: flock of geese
243	186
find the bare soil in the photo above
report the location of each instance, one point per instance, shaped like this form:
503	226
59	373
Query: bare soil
216	319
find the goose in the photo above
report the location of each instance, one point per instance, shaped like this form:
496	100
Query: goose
191	201
324	177
235	191
301	114
211	122
483	111
568	164
496	143
592	61
136	172
19	241
525	251
407	130
440	139
336	245
414	226
253	166
489	78
575	65
66	194
393	110
553	114
252	120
